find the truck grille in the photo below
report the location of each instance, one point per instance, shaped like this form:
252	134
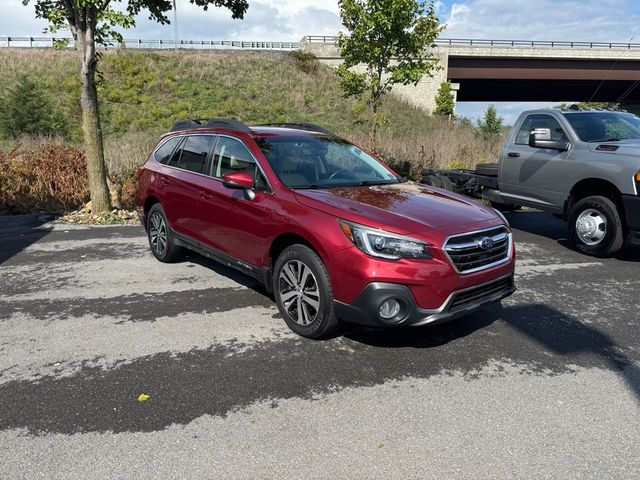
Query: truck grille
479	294
471	252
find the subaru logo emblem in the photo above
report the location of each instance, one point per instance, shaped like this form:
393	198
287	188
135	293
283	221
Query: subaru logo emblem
485	243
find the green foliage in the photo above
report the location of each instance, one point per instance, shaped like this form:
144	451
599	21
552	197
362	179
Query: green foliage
588	106
445	103
26	109
105	21
490	126
390	39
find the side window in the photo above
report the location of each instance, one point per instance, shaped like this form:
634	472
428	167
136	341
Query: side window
232	156
175	157
540	121
163	154
195	151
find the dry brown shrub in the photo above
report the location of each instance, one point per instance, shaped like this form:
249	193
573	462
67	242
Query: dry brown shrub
51	177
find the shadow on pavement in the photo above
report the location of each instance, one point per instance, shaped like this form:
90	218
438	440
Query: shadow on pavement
571	341
17	232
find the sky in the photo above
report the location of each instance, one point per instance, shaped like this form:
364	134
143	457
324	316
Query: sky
290	20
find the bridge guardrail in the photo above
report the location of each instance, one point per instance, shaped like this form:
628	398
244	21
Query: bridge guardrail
160	44
471	42
155	44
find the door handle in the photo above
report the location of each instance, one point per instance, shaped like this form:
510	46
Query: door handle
513	154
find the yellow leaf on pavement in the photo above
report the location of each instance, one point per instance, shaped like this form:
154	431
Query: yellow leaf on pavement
143	397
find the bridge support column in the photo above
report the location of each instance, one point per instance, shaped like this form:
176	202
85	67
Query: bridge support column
422	95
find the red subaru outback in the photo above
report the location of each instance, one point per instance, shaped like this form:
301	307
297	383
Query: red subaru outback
330	230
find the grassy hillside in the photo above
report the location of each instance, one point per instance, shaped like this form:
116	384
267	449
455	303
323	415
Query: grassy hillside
142	93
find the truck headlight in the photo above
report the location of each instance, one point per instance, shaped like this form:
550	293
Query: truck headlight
379	243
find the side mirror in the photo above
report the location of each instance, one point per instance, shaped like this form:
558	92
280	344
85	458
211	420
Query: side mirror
238	180
541	138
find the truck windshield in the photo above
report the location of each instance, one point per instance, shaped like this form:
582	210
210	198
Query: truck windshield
322	162
604	126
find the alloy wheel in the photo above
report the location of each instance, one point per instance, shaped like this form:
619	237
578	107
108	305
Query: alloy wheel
299	292
158	233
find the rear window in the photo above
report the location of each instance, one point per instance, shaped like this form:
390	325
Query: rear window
166	149
195	152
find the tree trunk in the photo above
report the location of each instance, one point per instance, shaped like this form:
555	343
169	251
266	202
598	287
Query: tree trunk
100	199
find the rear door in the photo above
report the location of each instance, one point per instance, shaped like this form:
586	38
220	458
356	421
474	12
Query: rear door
178	186
233	223
535	176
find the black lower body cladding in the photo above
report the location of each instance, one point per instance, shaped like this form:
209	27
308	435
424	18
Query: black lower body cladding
632	211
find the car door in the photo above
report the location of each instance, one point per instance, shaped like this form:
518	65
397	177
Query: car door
232	222
534	176
179	179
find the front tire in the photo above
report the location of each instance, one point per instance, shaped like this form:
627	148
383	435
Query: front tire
596	227
160	236
302	290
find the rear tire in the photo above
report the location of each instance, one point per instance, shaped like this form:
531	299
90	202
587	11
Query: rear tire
302	290
160	236
595	226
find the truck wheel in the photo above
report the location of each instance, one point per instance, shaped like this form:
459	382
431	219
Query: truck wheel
433	180
595	226
302	290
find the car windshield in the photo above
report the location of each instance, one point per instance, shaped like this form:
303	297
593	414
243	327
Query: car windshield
604	126
322	162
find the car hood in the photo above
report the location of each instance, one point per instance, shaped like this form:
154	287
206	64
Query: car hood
622	147
401	208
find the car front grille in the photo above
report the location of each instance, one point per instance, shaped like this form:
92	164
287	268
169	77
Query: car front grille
479	294
471	252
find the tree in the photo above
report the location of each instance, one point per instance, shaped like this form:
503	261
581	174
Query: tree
490	126
26	109
94	22
390	38
445	103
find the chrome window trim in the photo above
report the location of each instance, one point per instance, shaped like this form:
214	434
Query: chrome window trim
484	267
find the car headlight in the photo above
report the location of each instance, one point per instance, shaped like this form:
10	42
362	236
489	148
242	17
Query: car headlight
506	222
379	243
637	179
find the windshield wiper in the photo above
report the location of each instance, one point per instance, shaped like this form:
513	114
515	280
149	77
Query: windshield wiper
312	186
369	183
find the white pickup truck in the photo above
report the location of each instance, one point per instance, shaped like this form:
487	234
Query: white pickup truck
581	165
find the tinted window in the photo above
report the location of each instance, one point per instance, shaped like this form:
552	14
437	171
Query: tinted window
164	152
232	156
195	151
540	121
175	158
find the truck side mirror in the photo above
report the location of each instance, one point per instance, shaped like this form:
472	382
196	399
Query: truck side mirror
541	138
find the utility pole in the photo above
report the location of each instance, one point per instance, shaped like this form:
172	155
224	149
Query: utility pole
175	25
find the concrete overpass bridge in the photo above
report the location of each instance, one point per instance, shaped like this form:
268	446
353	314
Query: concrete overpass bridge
520	71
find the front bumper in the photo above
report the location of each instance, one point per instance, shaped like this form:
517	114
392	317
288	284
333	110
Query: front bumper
632	216
365	309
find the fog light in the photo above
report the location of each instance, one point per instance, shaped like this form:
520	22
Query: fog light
389	309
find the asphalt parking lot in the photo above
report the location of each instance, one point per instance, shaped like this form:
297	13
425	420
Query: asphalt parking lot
545	386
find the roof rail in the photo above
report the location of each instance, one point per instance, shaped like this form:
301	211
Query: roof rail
312	127
227	123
